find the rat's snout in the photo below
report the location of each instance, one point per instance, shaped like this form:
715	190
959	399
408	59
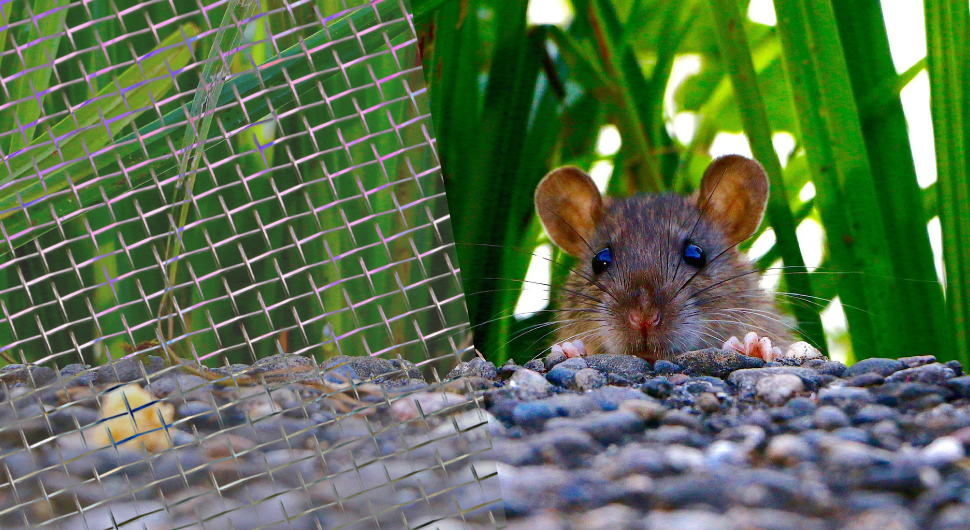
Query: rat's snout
644	316
643	320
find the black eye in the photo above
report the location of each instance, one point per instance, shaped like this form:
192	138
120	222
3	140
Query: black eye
602	260
694	255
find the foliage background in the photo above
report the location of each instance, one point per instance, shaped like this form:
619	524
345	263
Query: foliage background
815	91
314	222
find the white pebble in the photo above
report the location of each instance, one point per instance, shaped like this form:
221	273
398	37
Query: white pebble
803	351
943	451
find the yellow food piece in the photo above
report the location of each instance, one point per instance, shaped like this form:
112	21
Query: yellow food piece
128	420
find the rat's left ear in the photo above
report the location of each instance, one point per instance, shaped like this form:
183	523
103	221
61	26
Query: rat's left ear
733	195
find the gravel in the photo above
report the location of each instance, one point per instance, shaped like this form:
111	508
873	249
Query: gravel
708	440
713	440
280	456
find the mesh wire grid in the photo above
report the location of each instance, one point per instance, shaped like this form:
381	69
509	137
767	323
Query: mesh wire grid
310	225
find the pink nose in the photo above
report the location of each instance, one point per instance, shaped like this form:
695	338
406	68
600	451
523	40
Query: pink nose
644	321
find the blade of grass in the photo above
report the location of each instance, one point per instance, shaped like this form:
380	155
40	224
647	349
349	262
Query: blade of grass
632	116
29	87
846	190
135	90
737	56
947	53
325	46
870	67
224	48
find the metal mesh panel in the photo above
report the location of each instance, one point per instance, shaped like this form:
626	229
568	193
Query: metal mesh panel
311	225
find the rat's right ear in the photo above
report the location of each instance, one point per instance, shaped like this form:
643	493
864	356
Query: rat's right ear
569	206
734	194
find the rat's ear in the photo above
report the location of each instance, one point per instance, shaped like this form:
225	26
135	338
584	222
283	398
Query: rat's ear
569	206
733	195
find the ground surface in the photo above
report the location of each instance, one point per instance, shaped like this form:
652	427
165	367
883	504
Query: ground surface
716	441
713	441
278	456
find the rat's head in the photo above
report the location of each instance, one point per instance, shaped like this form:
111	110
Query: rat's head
656	274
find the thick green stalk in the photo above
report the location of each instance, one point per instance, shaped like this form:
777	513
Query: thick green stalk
737	57
947	55
800	70
870	67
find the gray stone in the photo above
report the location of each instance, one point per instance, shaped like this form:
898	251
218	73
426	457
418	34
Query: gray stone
934	373
129	370
883	367
717	362
664	367
32	376
919	360
778	389
588	379
746	380
562	376
628	366
529	385
829	418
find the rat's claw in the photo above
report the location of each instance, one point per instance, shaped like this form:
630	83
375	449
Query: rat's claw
573	349
733	344
753	346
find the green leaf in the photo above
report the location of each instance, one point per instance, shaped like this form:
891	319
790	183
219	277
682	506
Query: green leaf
948	50
737	58
135	91
34	79
144	151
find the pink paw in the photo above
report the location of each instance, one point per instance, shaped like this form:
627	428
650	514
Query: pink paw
754	346
570	349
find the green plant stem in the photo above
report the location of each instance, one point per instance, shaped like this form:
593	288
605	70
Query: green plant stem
947	54
649	180
737	58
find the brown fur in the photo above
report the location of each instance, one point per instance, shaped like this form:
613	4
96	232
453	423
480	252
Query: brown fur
646	234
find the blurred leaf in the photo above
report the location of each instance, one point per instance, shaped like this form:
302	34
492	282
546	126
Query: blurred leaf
28	89
948	51
737	56
138	88
326	48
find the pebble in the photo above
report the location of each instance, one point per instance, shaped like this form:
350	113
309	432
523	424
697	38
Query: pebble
709	440
716	362
129	370
934	373
664	367
588	379
788	450
658	387
960	386
830	418
633	368
883	367
778	389
529	385
747	380
943	451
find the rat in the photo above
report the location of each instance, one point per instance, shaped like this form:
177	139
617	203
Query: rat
660	274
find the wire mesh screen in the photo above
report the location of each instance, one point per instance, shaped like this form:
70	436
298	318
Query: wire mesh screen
228	286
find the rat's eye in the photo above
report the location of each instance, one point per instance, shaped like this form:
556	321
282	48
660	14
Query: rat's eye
694	255
602	260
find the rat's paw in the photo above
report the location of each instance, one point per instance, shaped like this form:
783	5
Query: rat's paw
570	349
754	346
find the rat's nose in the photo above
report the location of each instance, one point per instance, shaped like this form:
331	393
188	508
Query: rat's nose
643	321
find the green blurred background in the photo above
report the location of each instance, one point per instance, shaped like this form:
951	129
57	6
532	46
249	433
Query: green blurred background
314	227
869	182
